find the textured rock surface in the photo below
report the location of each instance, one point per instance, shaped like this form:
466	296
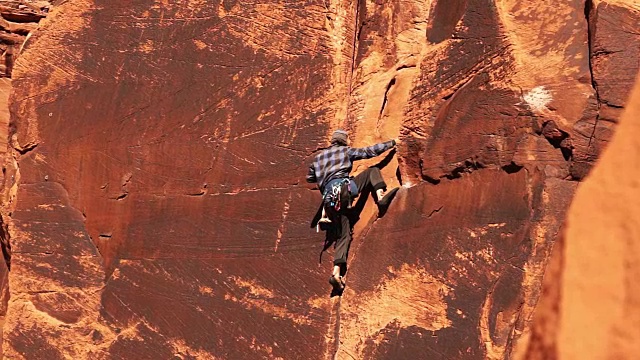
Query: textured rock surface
5	88
614	51
17	20
158	148
589	308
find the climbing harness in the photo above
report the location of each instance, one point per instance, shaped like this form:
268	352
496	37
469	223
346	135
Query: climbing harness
339	193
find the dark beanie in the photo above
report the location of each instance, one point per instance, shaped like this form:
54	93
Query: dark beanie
339	137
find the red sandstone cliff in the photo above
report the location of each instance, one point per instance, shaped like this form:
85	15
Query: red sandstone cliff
589	307
153	195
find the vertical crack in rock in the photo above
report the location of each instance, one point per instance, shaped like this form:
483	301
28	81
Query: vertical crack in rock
386	97
336	328
5	242
493	351
391	46
544	330
333	352
356	37
399	175
385	100
588	12
11	174
513	336
357	33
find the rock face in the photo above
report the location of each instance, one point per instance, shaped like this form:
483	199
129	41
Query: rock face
17	20
157	151
589	307
614	51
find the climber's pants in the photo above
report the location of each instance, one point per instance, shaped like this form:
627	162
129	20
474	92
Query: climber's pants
367	181
370	179
341	233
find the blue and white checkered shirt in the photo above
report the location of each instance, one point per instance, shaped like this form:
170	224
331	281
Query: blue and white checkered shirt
336	162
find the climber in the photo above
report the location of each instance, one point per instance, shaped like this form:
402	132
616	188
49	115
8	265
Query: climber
330	170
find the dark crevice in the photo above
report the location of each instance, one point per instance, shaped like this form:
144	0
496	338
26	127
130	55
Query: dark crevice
405	67
399	175
385	100
567	153
456	173
435	211
612	105
425	177
430	180
604	52
356	36
5	243
571	178
42	292
558	138
588	10
512	168
26	149
198	194
122	196
356	39
360	27
468	167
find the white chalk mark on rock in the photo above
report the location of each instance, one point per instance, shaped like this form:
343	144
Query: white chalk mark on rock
538	98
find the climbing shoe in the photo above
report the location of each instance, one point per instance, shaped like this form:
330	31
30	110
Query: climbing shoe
324	224
337	283
383	204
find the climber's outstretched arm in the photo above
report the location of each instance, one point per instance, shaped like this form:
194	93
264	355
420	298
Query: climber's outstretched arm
370	151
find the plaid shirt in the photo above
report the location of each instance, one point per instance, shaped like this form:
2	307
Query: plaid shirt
336	162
